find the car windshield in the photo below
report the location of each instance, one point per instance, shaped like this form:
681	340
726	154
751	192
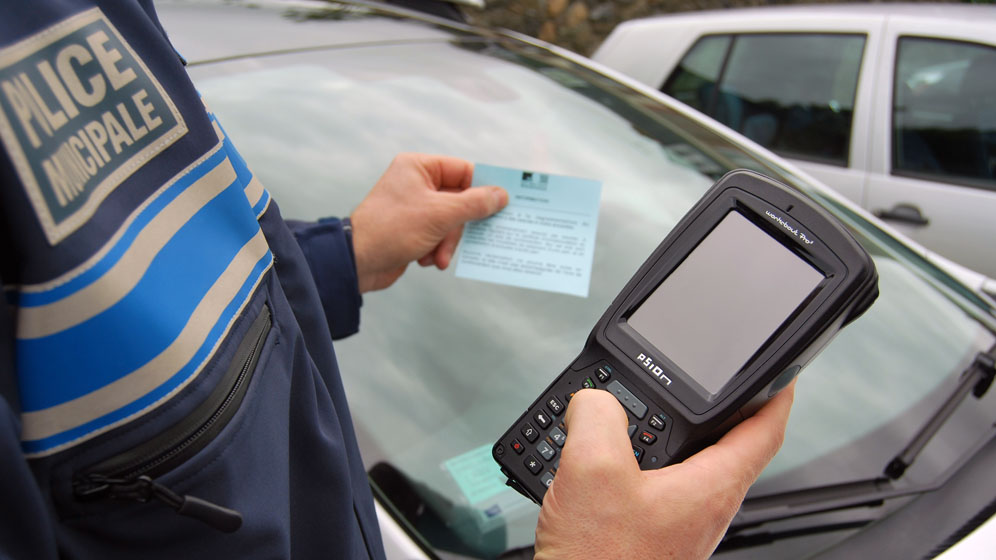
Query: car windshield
442	365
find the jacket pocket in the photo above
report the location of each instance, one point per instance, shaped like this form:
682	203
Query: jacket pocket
132	475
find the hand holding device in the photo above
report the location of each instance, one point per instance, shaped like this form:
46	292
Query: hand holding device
604	506
749	286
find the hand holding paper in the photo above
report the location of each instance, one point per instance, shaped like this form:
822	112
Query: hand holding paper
544	239
415	212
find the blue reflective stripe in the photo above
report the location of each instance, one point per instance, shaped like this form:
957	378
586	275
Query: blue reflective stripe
241	169
137	406
261	205
60	367
33	299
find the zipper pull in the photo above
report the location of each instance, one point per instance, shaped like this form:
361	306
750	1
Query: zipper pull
143	488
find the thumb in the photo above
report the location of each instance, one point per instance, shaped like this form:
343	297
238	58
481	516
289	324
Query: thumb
596	427
476	203
470	204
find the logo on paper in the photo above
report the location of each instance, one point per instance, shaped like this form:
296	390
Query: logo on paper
537	181
79	113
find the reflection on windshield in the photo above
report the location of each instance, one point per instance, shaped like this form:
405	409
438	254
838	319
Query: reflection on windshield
441	364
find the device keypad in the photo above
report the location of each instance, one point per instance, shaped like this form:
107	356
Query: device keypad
547	479
546	450
556	407
558	436
628	399
530	433
548	435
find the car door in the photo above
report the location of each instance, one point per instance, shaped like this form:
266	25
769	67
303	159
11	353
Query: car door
799	88
933	145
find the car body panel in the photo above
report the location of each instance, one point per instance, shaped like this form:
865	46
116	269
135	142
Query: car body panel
977	544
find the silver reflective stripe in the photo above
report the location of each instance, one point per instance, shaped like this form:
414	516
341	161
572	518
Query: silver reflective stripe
254	191
44	320
54	420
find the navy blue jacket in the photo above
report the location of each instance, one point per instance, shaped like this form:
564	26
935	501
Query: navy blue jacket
168	386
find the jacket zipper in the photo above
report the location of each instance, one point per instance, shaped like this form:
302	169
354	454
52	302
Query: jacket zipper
131	475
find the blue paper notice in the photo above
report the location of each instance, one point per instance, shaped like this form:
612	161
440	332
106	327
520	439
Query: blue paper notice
477	474
544	239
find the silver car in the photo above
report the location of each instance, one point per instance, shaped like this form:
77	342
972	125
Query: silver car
892	105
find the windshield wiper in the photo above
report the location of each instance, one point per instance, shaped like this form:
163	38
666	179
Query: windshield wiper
769	537
977	379
873	492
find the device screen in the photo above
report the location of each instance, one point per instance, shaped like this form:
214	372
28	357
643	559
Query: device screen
731	293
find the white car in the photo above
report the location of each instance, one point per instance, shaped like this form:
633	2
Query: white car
892	105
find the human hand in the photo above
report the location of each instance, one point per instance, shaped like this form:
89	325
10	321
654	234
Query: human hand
601	505
416	211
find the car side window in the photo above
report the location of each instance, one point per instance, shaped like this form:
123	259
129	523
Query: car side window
698	71
792	93
944	111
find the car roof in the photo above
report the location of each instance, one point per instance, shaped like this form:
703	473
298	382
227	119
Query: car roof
932	12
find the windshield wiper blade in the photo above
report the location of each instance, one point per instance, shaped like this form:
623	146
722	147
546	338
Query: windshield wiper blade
977	379
808	501
768	537
873	492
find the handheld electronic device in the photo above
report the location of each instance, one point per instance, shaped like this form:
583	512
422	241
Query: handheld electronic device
749	286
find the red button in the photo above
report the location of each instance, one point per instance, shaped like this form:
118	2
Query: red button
518	447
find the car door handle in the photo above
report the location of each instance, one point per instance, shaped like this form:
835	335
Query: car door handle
903	212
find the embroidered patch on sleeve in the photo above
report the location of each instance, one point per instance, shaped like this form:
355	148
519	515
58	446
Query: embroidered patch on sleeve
79	113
